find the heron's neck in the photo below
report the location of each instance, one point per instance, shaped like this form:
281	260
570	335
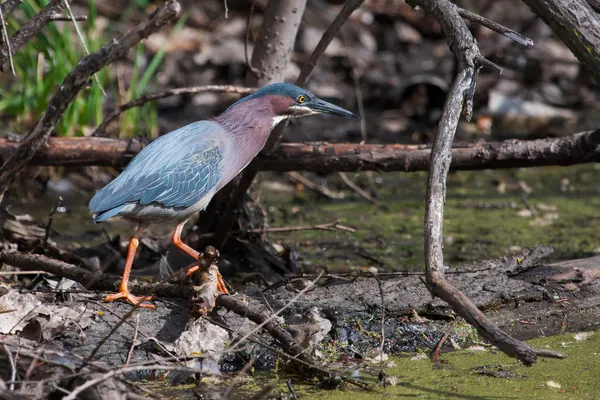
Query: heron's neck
252	119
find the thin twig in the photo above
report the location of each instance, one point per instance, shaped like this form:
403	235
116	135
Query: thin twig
101	129
438	347
135	334
382	342
82	40
6	40
488	23
361	192
349	7
248	63
59	17
295	176
291	389
9	273
226	9
13	368
50	220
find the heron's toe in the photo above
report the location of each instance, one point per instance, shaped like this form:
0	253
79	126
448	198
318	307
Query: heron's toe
131	299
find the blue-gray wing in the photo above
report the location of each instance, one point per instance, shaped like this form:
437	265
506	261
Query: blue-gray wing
175	170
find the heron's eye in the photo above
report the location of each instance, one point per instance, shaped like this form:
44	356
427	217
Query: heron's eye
301	99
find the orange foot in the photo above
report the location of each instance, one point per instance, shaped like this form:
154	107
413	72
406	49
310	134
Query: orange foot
221	288
135	300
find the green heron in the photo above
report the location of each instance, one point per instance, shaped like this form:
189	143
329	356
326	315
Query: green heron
177	174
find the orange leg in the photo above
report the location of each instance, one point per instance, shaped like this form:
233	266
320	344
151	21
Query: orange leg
176	238
123	292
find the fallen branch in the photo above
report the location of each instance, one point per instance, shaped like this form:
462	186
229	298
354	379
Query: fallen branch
77	80
92	280
578	148
469	58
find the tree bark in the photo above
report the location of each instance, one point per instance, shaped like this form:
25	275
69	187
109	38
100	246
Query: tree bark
576	24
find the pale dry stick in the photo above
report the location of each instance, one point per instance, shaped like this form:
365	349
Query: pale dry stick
101	129
59	17
122	371
9	273
382	343
361	192
226	9
75	82
82	40
135	334
330	226
13	368
295	176
488	23
273	316
7	42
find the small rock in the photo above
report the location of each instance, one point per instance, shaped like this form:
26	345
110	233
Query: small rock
476	348
524	213
419	356
582	336
553	384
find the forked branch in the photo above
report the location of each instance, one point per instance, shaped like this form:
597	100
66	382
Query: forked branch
463	46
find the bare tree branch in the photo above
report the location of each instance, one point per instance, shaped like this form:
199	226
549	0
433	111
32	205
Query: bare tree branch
9	6
101	129
577	25
75	81
488	23
30	29
463	46
349	7
324	158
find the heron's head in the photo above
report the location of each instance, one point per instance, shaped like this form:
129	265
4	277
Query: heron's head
290	101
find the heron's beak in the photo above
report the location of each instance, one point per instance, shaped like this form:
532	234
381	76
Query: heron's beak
324	107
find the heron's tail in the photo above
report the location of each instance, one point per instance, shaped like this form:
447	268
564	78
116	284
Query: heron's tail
108	214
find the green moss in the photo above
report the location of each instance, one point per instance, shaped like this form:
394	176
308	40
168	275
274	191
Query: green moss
575	377
481	218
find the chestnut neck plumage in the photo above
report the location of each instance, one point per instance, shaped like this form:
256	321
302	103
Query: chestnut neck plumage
249	123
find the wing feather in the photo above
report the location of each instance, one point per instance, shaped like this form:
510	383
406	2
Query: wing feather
175	170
